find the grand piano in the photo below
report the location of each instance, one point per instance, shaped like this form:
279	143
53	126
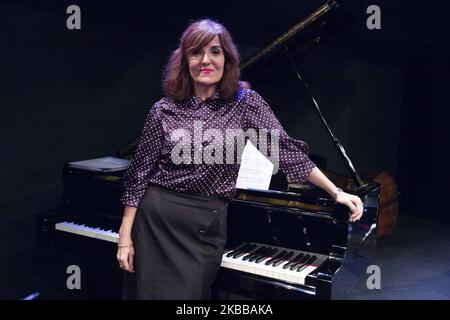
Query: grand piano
289	242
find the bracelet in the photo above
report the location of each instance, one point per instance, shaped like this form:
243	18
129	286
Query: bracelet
124	246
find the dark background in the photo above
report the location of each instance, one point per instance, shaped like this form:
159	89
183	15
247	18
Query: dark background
69	95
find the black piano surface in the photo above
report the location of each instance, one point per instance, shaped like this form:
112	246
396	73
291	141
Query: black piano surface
298	219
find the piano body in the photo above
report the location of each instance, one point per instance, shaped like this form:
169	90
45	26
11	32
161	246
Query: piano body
288	243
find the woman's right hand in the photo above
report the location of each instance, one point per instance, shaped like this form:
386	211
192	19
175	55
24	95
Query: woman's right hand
125	256
125	250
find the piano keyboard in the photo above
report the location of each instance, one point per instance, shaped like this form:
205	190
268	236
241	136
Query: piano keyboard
274	262
270	261
88	231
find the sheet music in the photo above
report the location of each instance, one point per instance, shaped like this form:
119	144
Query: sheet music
255	171
104	164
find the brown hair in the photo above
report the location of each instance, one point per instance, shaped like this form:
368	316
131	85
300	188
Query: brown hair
177	82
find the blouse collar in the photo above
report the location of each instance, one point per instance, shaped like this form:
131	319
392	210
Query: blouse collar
196	102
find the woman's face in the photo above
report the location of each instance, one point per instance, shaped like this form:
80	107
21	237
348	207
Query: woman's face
206	64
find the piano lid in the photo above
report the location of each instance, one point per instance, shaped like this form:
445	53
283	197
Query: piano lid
301	38
324	21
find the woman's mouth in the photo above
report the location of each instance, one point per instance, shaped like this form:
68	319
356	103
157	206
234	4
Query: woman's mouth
206	70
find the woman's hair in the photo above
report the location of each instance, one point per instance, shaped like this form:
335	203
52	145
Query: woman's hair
177	82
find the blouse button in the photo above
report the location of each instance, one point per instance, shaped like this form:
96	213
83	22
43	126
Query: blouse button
214	212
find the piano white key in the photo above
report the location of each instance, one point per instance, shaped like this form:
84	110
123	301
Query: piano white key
307	270
106	235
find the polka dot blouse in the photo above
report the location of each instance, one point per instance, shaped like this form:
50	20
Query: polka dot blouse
171	128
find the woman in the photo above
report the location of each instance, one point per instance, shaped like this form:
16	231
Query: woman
175	197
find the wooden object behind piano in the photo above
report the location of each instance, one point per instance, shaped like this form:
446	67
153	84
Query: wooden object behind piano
388	207
388	203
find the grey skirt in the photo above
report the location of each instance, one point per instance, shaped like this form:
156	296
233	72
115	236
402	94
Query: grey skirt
179	239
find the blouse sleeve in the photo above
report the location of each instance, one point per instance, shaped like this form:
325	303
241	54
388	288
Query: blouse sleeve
144	161
293	154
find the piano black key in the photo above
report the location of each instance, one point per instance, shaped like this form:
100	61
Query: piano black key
259	254
243	252
281	260
229	254
256	254
282	253
268	254
300	262
307	263
240	249
250	253
297	258
91	225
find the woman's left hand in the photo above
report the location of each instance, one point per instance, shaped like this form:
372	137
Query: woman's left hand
353	202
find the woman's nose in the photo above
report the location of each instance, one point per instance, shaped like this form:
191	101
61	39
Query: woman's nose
205	59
